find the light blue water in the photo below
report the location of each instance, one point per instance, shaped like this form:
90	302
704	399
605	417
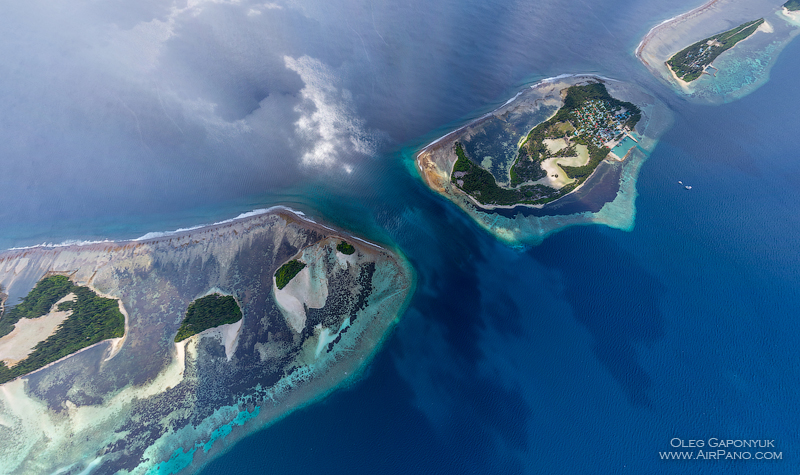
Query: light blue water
622	148
586	354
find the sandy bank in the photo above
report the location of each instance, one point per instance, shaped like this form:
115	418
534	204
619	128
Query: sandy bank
792	17
28	332
668	24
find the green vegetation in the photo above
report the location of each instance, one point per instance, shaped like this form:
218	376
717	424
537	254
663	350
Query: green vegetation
596	155
93	319
792	5
38	302
287	272
208	312
690	62
345	248
589	116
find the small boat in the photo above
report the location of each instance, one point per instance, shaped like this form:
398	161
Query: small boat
680	182
688	187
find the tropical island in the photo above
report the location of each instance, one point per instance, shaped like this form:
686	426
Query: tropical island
691	62
192	375
207	312
56	319
564	151
706	57
557	155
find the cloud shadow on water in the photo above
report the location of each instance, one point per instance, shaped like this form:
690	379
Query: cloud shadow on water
611	295
439	346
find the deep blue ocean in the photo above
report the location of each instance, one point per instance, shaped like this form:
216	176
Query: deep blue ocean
589	353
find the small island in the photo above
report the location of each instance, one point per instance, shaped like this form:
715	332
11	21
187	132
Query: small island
562	152
345	248
286	272
720	51
556	156
792	5
56	319
691	62
207	312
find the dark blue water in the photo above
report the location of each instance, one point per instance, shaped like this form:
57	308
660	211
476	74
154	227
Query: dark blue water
590	352
586	354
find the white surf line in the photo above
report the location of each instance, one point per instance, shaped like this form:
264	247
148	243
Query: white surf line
301	215
248	214
159	234
539	83
680	16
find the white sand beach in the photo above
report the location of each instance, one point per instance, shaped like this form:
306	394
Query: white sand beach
28	332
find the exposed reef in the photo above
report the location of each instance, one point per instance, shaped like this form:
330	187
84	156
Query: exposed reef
583	166
150	405
739	67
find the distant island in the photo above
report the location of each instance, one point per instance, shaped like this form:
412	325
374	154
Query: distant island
212	351
56	319
691	62
706	58
564	151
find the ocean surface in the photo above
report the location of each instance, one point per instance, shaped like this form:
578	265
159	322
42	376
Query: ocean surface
589	353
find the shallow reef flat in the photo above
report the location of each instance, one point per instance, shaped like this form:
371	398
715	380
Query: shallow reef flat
150	405
736	72
607	196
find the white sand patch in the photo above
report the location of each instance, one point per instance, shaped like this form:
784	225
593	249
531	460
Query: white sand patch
792	17
324	338
555	145
343	260
685	86
309	288
577	161
29	419
227	334
230	337
28	332
556	177
290	299
765	27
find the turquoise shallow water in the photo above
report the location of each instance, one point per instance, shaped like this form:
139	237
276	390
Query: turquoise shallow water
622	148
